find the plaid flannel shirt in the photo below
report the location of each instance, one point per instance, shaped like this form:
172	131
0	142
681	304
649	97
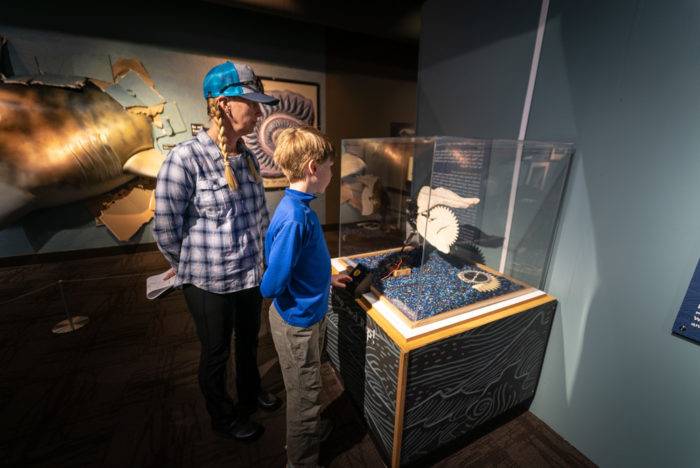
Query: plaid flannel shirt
212	235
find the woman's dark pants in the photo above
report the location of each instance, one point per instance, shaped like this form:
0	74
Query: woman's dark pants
216	318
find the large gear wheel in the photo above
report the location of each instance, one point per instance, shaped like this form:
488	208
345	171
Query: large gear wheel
468	253
293	110
439	227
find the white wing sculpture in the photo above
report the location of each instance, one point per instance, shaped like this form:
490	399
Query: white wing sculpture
437	223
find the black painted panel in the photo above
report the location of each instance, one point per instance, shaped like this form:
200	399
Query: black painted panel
367	362
345	343
381	373
456	384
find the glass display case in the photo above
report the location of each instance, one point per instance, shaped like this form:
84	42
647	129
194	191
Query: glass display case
443	225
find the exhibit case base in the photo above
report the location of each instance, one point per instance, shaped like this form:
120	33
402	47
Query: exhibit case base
422	381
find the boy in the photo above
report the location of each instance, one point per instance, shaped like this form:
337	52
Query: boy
298	277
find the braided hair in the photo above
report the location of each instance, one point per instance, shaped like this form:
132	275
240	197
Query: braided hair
214	112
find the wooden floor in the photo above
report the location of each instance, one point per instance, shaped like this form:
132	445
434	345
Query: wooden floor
123	391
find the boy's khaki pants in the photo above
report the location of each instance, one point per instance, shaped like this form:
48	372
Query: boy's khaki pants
299	351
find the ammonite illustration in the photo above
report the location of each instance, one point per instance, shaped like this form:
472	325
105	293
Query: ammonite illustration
293	110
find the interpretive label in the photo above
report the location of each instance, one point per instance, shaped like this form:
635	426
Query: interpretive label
688	319
462	166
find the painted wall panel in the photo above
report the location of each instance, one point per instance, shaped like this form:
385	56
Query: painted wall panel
473	67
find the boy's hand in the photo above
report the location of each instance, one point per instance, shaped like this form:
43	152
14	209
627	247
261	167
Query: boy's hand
339	280
171	272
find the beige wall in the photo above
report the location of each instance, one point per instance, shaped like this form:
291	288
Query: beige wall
360	106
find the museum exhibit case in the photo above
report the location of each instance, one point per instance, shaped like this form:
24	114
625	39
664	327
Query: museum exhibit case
444	325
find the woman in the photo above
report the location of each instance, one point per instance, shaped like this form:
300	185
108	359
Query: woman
209	224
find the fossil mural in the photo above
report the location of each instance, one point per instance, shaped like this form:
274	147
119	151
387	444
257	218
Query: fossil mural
65	139
83	132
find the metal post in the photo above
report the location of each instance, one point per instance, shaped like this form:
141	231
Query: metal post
70	324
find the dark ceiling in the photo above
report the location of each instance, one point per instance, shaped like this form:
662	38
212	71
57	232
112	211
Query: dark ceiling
397	20
378	38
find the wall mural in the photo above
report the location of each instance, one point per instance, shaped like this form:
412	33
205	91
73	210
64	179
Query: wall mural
64	139
98	141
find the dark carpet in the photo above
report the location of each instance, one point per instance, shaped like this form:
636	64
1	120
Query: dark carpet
122	391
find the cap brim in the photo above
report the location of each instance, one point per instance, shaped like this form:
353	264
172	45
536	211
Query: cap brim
261	98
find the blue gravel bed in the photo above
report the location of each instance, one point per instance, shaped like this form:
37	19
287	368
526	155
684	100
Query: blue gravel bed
432	290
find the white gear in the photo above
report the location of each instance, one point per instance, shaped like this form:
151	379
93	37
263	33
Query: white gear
440	227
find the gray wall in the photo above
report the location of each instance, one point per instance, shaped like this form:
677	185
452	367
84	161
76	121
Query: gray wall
620	80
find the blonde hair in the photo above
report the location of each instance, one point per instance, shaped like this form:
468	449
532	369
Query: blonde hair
295	147
214	112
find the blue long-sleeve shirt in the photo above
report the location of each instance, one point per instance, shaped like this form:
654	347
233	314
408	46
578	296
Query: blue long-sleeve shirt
298	274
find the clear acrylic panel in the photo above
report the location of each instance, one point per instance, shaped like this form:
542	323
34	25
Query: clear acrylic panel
450	207
376	181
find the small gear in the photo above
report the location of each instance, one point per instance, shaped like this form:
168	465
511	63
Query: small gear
480	280
474	276
491	285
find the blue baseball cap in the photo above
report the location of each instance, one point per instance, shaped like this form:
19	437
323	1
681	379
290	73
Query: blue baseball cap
235	79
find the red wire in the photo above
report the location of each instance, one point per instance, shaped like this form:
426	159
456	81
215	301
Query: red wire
393	268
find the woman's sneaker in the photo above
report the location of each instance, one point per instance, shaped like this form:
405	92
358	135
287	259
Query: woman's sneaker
241	428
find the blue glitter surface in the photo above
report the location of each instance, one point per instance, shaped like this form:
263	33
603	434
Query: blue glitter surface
430	290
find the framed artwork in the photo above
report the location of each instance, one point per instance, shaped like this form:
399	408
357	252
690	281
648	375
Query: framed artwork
298	106
309	90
